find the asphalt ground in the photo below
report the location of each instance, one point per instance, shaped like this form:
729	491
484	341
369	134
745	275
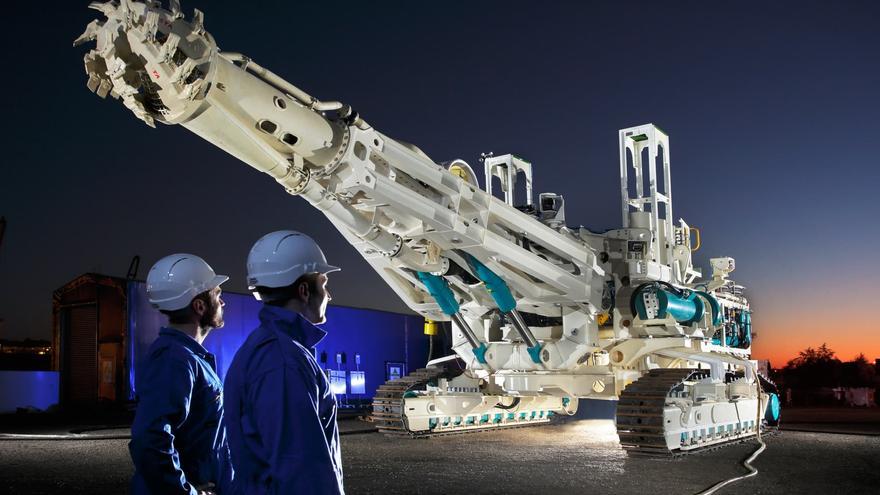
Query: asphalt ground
577	457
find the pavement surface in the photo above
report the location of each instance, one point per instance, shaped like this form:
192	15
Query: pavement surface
579	456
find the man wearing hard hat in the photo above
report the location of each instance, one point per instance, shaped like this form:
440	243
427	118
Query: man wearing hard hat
280	412
178	443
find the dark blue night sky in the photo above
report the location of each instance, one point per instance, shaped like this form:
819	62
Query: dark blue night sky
772	112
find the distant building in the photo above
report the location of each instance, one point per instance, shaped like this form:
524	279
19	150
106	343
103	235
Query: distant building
25	355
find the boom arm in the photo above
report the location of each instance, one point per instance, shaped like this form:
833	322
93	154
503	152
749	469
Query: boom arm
403	212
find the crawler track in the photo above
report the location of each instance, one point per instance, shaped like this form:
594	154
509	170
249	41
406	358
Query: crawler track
640	423
388	413
640	409
388	401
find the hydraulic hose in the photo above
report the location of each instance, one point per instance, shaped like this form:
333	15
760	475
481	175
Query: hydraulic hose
748	462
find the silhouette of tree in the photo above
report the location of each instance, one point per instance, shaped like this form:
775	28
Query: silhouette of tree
858	373
813	368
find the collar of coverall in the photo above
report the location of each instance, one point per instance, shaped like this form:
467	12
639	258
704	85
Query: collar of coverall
185	340
292	324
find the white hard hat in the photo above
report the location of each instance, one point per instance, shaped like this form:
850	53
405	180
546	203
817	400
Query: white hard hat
175	280
279	258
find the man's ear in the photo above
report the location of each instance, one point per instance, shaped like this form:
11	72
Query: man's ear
199	307
302	291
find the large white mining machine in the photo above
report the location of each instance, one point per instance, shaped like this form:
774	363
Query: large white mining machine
542	314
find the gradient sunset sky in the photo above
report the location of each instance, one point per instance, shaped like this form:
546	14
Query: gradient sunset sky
772	110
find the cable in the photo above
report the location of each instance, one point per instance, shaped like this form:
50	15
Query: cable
511	406
748	462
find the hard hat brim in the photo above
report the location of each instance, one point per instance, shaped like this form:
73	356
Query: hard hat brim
328	269
219	279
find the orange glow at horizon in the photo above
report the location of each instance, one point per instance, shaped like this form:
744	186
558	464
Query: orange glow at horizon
786	327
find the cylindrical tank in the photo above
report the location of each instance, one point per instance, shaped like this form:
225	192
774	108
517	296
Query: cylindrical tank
684	309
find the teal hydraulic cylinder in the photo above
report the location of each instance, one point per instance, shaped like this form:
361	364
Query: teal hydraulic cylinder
746	319
494	285
499	291
440	291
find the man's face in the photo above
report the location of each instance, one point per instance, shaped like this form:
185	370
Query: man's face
319	296
213	315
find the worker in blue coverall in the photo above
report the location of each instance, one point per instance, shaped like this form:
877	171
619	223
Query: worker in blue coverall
280	411
178	442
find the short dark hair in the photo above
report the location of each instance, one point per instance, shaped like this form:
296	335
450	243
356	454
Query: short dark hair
279	296
185	314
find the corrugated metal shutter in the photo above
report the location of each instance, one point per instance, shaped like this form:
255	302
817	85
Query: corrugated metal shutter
83	349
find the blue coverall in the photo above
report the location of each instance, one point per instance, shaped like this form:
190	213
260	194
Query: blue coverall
178	441
280	411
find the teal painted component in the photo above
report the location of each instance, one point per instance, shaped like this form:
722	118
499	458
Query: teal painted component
533	414
440	291
498	417
566	401
774	410
733	336
457	421
480	352
684	310
471	420
432	423
446	421
484	418
407	395
511	416
747	338
535	353
550	414
496	287
522	415
716	308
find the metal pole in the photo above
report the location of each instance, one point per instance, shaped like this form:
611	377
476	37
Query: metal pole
523	329
466	330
